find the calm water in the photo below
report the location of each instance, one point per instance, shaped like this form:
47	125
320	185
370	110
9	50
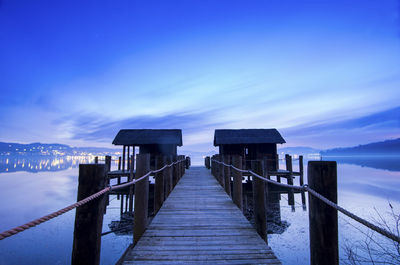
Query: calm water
30	192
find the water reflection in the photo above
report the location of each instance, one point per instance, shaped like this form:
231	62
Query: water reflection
41	163
391	163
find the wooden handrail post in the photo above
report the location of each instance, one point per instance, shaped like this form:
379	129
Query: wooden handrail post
89	217
141	197
289	167
175	172
169	179
159	183
323	219
221	172
259	202
227	175
237	182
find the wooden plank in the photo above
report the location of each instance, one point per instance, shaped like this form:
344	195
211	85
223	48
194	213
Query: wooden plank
199	224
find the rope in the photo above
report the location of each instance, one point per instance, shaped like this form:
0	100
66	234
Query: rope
48	217
305	187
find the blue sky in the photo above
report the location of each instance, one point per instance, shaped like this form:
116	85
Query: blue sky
324	73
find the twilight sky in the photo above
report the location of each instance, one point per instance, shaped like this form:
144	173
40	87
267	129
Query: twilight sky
324	73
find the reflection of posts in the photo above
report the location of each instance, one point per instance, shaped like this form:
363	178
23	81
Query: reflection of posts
141	196
322	177
89	217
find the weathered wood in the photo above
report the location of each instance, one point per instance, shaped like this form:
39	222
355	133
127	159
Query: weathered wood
159	183
141	197
221	171
289	168
123	157
301	171
227	175
259	203
323	219
169	177
199	224
131	176
237	182
89	217
175	174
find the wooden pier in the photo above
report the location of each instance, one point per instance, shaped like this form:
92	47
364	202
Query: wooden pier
199	224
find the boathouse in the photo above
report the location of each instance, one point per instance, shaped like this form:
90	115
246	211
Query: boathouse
149	141
251	144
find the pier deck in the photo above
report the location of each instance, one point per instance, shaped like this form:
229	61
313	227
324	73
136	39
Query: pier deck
199	224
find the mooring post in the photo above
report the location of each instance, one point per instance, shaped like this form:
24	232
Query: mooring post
96	159
259	203
289	167
107	163
89	217
123	158
159	183
131	176
141	196
237	182
227	175
129	158
323	219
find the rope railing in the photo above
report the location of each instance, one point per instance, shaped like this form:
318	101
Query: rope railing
305	187
52	215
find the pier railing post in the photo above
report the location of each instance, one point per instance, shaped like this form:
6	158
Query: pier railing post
221	171
141	197
159	183
237	182
323	219
259	202
131	176
169	178
227	175
89	217
175	172
301	171
207	161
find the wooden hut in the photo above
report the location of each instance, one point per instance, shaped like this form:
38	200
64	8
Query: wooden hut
251	144
153	142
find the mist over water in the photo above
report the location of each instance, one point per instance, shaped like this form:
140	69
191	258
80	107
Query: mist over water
364	184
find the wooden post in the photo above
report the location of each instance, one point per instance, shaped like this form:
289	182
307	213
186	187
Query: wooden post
141	197
221	171
131	176
108	163
323	219
167	177
259	203
89	217
187	162
301	171
227	175
129	159
175	172
159	183
208	162
123	158
237	182
96	159
289	167
277	162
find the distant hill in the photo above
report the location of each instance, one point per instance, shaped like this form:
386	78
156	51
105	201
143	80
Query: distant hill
388	147
50	149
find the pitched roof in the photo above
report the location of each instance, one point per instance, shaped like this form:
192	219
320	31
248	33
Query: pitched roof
147	136
248	136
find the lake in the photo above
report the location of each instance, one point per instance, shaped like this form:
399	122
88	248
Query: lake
34	187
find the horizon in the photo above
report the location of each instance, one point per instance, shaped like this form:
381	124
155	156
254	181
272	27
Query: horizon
324	74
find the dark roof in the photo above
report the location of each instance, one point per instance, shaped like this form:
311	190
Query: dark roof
248	136
146	136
